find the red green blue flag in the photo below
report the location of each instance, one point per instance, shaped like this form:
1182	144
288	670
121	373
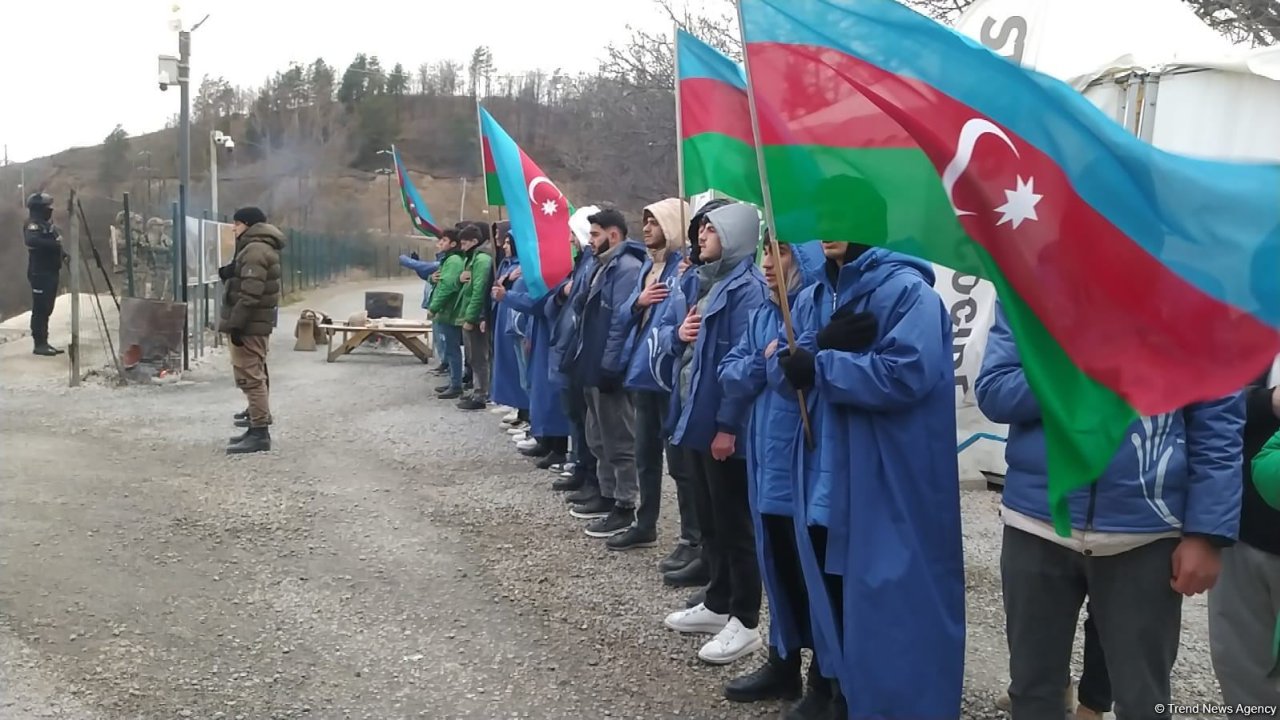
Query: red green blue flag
1135	281
717	147
540	225
419	214
492	188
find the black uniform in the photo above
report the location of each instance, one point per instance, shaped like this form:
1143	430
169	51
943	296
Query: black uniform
44	260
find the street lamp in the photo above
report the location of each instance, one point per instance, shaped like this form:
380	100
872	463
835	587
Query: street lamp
216	138
388	172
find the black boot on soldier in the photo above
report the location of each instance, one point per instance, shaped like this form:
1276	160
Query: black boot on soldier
778	679
817	702
254	441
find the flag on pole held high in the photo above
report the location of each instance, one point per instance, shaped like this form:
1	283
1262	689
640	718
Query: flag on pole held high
540	224
718	151
492	188
419	214
1135	281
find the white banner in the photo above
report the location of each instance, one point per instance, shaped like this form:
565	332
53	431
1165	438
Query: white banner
971	302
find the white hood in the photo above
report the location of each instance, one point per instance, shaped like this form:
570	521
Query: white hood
579	226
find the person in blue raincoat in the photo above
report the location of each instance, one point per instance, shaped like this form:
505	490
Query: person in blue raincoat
882	554
565	303
507	388
771	439
707	425
426	269
547	419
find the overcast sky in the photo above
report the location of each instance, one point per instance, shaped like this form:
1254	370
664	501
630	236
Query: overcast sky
71	69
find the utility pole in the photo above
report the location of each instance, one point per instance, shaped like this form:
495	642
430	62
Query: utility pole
184	172
73	229
388	172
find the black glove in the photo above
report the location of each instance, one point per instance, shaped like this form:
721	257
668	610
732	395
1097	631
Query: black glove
226	272
237	338
849	332
798	367
609	383
414	255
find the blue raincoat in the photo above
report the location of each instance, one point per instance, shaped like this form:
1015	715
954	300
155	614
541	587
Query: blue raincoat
883	479
546	413
507	388
425	269
770	440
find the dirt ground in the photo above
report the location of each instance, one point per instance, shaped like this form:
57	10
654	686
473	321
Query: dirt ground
393	557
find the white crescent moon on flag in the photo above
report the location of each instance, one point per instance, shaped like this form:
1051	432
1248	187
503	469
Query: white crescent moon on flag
969	136
535	182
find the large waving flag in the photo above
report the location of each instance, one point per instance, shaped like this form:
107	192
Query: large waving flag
1135	281
419	214
492	188
540	224
717	147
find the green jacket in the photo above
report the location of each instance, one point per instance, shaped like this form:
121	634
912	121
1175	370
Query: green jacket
477	288
449	294
1266	477
252	293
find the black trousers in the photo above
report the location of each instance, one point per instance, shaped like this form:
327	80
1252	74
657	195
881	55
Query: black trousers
44	292
1094	691
728	536
835	584
781	547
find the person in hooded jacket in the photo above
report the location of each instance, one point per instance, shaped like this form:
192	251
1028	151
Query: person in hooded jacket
547	419
249	305
880	545
770	447
708	425
599	360
1146	533
664	239
477	281
507	386
445	305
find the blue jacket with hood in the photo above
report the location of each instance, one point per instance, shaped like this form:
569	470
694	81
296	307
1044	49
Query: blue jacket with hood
770	441
648	370
546	412
507	389
1180	471
563	314
604	340
425	269
733	287
883	479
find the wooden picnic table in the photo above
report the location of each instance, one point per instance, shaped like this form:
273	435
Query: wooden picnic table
354	336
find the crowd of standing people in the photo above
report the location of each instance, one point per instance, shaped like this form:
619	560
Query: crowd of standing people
822	473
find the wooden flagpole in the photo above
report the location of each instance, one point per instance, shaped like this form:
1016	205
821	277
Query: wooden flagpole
783	303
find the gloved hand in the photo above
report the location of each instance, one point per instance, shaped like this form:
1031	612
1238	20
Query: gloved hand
414	255
237	338
798	367
609	384
852	332
226	272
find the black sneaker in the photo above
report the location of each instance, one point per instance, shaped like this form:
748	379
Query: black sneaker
45	350
584	494
631	539
450	393
567	484
694	574
818	700
440	370
618	521
699	597
597	507
444	388
551	459
537	451
681	556
472	403
777	679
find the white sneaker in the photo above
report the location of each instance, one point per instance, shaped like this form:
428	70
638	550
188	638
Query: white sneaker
501	410
698	619
527	444
733	642
511	418
520	438
517	430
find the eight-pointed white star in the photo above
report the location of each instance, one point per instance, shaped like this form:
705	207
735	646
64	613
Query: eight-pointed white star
1020	203
549	207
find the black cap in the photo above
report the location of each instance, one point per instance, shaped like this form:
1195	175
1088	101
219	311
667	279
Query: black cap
250	216
40	199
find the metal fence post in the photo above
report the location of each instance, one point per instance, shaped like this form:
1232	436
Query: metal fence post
128	247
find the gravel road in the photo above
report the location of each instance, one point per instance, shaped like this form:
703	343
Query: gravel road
392	558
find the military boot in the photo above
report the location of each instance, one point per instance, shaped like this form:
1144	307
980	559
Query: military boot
255	440
778	679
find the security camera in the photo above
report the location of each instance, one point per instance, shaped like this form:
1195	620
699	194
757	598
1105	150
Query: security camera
163	85
230	145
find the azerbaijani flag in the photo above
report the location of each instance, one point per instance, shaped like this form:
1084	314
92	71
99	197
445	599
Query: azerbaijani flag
1135	281
492	188
717	145
540	226
419	214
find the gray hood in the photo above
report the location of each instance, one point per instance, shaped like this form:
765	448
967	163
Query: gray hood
739	228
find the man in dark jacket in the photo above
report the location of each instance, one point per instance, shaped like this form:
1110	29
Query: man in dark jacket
1244	604
44	260
249	307
603	348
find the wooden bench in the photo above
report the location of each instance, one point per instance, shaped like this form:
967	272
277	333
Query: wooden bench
410	336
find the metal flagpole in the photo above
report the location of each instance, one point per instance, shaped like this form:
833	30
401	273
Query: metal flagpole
783	303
